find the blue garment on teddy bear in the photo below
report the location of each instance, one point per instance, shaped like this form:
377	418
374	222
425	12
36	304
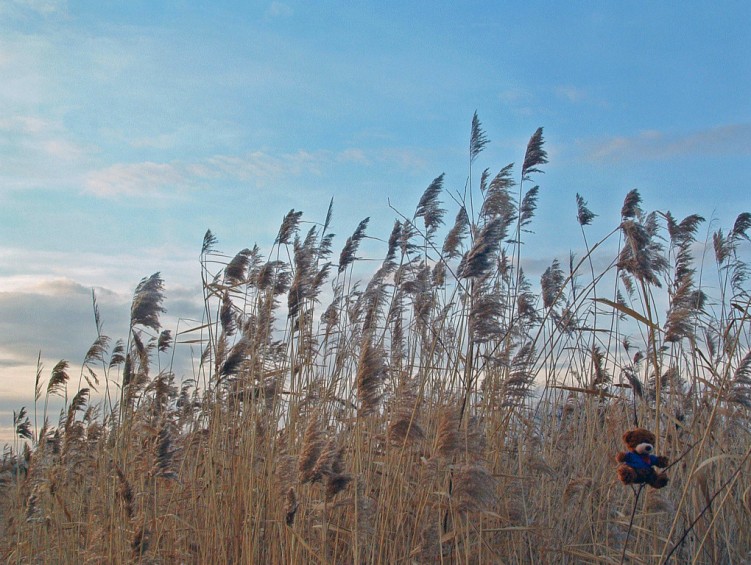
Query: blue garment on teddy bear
637	461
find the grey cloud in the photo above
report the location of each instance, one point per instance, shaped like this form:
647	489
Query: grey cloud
10	363
56	319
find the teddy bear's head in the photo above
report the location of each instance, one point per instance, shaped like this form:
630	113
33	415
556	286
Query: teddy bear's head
640	440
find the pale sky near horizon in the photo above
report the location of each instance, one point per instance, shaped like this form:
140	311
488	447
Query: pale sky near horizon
129	128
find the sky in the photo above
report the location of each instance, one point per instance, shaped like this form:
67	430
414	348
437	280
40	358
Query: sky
129	128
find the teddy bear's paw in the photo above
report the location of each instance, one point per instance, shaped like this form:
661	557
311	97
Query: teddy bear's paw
662	462
661	480
626	474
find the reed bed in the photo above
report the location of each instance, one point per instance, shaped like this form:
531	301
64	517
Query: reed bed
440	408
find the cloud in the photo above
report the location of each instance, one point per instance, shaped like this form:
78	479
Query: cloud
404	158
20	8
26	125
263	169
54	317
37	151
519	100
136	179
354	155
29	270
279	10
168	179
734	139
571	93
266	168
58	323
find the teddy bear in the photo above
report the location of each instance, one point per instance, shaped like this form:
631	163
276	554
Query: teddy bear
636	464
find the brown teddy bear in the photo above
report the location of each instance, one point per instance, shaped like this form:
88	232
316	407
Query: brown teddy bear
636	465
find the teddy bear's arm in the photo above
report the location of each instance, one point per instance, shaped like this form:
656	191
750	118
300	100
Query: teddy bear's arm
661	461
620	457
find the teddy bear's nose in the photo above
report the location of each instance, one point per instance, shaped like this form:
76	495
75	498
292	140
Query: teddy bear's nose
647	448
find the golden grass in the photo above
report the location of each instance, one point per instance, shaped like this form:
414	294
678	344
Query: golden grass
442	411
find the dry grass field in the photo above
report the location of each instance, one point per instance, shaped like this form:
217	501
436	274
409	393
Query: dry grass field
442	409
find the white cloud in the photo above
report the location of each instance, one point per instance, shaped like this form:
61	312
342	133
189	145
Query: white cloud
571	93
354	155
404	158
27	124
38	151
734	139
29	64
265	168
136	179
21	8
519	100
167	179
45	7
63	149
28	270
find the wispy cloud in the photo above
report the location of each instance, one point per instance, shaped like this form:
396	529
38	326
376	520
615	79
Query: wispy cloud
30	270
354	155
404	158
571	93
38	150
167	180
264	167
136	179
734	139
19	8
519	100
279	10
261	168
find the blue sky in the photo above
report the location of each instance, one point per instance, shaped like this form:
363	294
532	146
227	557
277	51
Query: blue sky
129	128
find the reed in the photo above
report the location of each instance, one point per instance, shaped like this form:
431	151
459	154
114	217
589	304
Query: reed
441	407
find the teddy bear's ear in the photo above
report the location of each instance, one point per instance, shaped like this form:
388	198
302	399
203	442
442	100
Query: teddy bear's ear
627	437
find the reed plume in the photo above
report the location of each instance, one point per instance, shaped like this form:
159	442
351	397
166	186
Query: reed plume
429	206
347	256
528	206
740	383
404	427
535	154
474	489
479	259
236	270
551	284
641	255
477	139
288	228
497	197
264	453
147	302
312	447
456	234
58	378
583	214
371	372
447	437
631	205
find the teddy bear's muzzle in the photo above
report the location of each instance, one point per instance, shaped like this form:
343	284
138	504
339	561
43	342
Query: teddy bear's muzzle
644	448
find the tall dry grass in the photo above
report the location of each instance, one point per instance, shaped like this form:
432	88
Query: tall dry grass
442	409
